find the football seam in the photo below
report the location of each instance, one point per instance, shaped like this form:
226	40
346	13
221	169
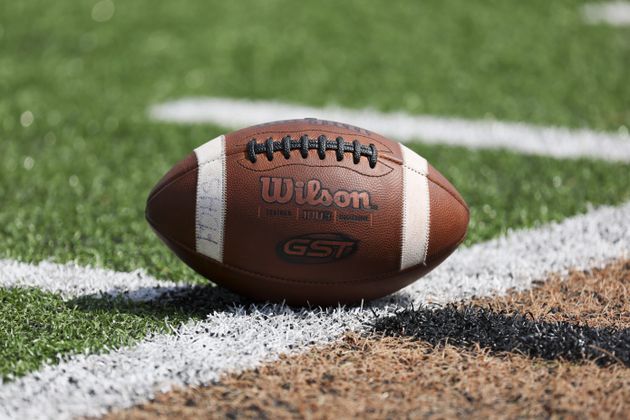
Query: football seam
172	181
344	167
459	200
286	280
427	233
320	166
414	170
403	236
209	161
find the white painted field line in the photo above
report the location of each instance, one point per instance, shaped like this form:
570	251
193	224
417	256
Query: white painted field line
615	13
236	339
523	138
71	280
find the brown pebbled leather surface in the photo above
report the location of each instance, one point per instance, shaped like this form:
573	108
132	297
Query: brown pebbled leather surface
256	230
449	216
171	205
262	288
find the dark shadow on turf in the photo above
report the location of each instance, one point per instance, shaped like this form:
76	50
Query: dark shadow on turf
467	326
196	302
188	302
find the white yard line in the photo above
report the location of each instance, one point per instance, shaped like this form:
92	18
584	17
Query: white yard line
519	137
615	13
241	338
71	280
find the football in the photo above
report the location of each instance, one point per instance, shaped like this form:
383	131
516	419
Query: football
307	212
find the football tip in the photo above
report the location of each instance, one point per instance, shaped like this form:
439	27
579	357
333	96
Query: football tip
170	207
449	216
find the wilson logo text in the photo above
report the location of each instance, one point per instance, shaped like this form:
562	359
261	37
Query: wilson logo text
285	190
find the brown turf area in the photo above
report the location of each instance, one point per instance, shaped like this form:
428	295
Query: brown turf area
598	298
399	377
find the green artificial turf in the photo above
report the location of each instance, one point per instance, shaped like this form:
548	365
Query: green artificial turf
39	327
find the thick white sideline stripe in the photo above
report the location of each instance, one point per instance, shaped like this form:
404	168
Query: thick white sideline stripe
522	138
615	13
236	339
71	280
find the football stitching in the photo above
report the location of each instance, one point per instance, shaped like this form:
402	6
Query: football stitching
427	233
381	143
403	236
211	161
322	144
414	170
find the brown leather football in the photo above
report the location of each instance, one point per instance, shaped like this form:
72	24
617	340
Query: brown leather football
307	211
